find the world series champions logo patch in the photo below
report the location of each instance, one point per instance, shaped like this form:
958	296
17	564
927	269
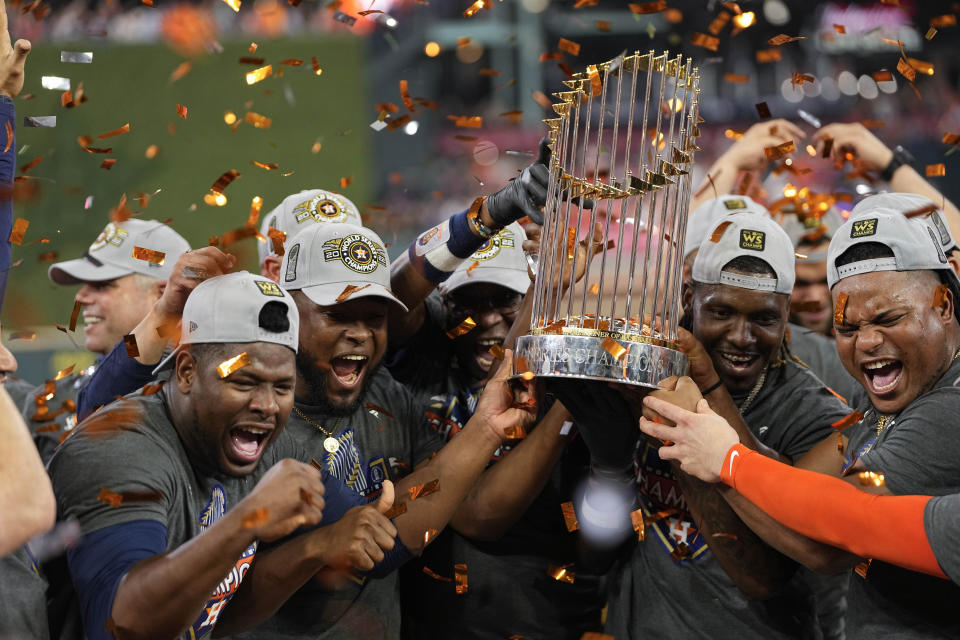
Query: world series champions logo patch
111	234
489	249
356	251
321	209
269	288
864	228
752	240
735	204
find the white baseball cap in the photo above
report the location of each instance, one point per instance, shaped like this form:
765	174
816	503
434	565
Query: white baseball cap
300	209
500	260
700	223
803	229
333	263
915	247
746	234
226	309
112	254
906	203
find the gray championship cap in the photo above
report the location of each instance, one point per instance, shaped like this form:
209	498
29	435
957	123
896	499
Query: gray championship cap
112	254
916	207
812	229
301	209
701	221
334	263
746	234
226	309
500	260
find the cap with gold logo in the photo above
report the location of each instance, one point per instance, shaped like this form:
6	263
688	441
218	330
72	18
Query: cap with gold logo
700	222
114	253
299	210
500	260
741	235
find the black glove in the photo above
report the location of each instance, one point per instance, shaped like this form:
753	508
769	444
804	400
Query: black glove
525	194
605	422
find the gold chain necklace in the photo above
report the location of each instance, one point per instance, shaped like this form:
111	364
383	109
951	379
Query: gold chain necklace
753	393
330	443
884	419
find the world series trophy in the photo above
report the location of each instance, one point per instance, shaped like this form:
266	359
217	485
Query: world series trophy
619	177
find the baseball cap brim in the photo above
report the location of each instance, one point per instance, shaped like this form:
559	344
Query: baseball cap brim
326	295
83	270
510	278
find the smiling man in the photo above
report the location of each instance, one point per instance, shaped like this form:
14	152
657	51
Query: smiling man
117	289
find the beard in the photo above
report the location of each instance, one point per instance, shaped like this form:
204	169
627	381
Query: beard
316	380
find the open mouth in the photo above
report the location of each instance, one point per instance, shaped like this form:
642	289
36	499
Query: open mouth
248	442
348	369
482	351
89	321
883	376
738	362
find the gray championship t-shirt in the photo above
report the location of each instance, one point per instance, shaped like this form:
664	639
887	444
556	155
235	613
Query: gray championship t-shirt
127	463
941	520
656	596
384	439
918	452
50	410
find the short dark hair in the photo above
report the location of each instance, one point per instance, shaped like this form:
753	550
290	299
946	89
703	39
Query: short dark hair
751	266
863	251
274	318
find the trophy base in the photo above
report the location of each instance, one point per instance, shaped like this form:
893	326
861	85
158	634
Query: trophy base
584	357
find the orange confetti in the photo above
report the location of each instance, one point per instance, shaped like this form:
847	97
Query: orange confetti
30	165
718	23
569	516
561	574
19	230
718	232
259	74
862	568
149	255
614	348
74	315
569	46
316	66
130	342
9	128
466	326
783	38
906	70
398	122
182	111
596	85
233	364
467	122
23	335
705	41
425	489
800	78
429	535
405	96
950	138
349	290
602	25
882	76
636	518
472	267
926	68
257	120
778	151
648	7
839	309
395	510
224	180
63	373
847	421
460	576
513	116
345	181
515	432
182	69
116	132
594	289
936	170
541	99
736	78
839	28
436	576
763	110
768	55
255	518
108	163
930	208
109	497
946	20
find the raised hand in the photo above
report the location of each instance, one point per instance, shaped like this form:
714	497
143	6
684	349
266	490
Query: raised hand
287	497
525	195
853	137
746	154
192	268
503	406
361	538
12	59
700	440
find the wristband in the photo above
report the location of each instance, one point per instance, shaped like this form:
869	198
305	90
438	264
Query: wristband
732	461
473	216
712	388
900	157
436	253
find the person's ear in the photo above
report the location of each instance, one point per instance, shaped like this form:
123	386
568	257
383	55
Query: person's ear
185	371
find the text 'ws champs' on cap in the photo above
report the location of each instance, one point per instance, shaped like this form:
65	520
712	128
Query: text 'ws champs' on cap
746	234
112	254
915	247
500	260
334	263
226	309
299	210
701	221
916	208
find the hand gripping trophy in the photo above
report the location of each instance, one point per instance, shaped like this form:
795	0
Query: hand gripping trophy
622	152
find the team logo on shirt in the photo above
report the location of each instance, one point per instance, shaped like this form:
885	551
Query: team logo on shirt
363	476
864	228
357	252
269	288
489	249
216	507
752	240
321	209
111	234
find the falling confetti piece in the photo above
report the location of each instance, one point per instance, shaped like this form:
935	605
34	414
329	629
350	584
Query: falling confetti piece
74	315
257	120
30	165
936	170
839	309
269	166
55	83
349	291
425	489
467	122
799	79
23	335
648	7
466	326
149	255
255	76
951	138
636	519
460	577
150	153
783	38
561	574
436	576
182	111
862	568
63	373
224	180
906	70
19	230
614	348
681	551
768	55
232	365
569	46
705	41
405	96
233	4
926	68
847	421
429	535
718	23
882	76
870	478
130	342
763	110
569	516
109	497
108	163
736	78
256	517
930	33
946	20
116	132
182	69
776	152
472	10
839	28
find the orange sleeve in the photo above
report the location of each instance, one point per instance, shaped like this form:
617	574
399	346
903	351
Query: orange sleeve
829	510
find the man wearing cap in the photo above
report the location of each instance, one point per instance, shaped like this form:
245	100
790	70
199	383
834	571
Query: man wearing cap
178	490
736	307
897	334
810	305
122	275
365	428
